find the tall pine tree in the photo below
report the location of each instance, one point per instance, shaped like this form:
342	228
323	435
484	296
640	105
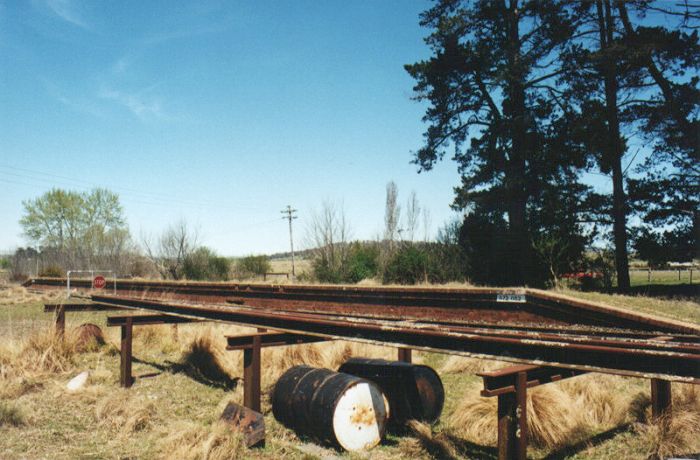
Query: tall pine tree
491	86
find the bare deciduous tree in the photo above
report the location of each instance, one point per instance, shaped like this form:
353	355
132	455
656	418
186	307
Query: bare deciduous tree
426	224
327	235
392	213
169	252
413	210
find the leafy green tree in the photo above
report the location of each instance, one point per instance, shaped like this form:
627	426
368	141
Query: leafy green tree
491	86
78	229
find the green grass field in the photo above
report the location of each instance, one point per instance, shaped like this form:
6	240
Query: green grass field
668	277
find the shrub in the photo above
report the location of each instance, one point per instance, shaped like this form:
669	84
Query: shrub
363	263
253	266
408	266
204	264
52	271
4	263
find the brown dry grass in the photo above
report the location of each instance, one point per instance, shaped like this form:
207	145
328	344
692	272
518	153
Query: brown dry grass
557	415
11	414
42	352
125	412
191	441
455	364
426	443
675	434
16	295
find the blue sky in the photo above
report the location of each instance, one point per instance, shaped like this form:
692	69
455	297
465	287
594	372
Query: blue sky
221	113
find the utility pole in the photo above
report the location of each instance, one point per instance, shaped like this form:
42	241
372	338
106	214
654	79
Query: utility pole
289	214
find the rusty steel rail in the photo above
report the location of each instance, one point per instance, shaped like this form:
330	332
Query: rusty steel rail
566	352
269	339
473	305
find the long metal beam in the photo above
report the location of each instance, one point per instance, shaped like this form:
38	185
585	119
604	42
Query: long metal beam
510	306
610	358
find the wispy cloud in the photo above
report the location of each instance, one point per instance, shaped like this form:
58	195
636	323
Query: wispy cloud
68	11
77	104
143	107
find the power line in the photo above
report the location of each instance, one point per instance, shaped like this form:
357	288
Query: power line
289	214
145	197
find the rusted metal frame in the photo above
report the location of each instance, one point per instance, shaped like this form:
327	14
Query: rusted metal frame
52	307
661	399
650	341
430	298
60	321
143	320
504	380
270	339
512	422
251	375
405	355
592	333
125	377
684	366
621	317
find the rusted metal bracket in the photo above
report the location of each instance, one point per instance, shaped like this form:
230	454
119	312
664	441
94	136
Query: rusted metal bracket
248	422
127	323
51	307
504	380
510	385
144	320
270	339
251	345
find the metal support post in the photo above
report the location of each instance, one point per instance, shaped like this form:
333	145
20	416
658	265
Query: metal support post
60	322
512	422
251	376
660	398
125	377
405	355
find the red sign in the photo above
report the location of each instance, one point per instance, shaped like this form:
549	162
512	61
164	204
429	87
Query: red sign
99	282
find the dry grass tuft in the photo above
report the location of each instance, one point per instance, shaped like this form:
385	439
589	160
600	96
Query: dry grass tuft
557	415
455	364
474	418
597	400
550	418
424	443
125	412
676	434
11	414
40	353
189	441
15	295
204	360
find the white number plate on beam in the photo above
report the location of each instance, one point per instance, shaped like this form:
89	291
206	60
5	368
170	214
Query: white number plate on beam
514	298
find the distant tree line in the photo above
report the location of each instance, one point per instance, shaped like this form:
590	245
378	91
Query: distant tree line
71	230
528	96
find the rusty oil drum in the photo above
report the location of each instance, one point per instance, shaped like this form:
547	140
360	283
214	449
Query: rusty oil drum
332	407
414	391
